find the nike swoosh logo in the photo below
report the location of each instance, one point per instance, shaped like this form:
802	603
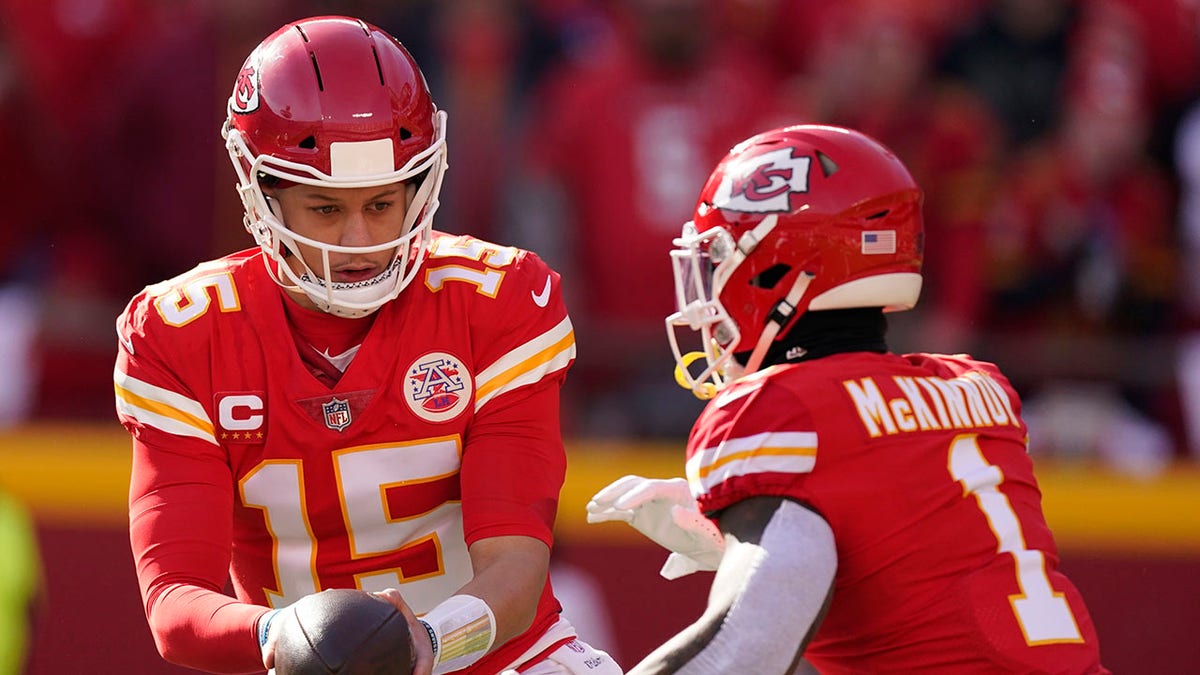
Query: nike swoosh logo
125	341
542	299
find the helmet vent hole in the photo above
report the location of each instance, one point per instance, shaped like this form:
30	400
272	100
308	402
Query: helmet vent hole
828	166
309	143
770	276
317	70
378	65
405	134
877	216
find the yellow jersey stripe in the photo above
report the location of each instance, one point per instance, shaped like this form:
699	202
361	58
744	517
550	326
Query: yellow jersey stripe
528	363
771	452
161	408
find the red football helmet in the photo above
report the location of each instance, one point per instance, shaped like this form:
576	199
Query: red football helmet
335	102
795	219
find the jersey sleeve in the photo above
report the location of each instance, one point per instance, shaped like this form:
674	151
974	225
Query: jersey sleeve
513	461
180	501
755	439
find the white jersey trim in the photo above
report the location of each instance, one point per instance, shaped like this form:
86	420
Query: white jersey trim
529	363
770	452
161	408
558	631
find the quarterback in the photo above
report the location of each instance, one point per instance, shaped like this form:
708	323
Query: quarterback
865	511
359	401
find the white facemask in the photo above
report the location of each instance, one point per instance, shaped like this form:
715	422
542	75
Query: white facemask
359	298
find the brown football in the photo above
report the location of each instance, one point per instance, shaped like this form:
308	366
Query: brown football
343	631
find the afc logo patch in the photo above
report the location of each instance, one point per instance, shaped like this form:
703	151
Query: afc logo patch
437	387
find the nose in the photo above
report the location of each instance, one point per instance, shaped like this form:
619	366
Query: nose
355	231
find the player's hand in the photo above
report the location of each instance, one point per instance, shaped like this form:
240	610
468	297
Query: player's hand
422	648
422	645
275	617
664	511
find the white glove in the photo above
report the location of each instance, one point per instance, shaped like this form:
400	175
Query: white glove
664	511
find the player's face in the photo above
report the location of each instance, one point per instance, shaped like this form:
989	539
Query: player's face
344	217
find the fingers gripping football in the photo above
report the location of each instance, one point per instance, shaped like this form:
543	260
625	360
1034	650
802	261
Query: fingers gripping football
664	511
340	632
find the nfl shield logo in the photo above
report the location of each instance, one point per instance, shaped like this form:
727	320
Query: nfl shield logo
337	414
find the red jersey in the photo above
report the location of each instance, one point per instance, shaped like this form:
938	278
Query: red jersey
919	464
443	430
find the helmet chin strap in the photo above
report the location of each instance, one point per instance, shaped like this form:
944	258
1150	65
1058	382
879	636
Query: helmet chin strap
780	315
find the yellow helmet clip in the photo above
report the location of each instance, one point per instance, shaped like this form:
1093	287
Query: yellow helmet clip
704	390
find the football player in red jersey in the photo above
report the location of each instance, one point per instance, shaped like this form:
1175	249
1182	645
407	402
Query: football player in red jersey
864	511
357	402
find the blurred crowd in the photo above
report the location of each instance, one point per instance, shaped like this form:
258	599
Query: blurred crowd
1058	142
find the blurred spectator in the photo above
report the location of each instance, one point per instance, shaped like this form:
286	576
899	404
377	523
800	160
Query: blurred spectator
484	79
21	592
617	143
1169	33
785	33
1015	55
1083	264
118	96
580	126
483	56
22	244
1187	162
871	69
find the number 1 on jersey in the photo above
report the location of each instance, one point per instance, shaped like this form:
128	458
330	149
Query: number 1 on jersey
1042	613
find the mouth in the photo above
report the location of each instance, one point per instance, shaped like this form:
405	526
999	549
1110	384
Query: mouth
351	277
355	274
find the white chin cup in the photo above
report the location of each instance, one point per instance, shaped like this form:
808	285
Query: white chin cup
352	300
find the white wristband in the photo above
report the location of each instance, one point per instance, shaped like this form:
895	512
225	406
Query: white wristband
462	629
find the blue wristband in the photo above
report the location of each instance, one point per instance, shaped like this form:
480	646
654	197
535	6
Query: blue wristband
264	626
432	637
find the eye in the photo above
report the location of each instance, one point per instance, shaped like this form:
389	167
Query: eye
324	210
380	206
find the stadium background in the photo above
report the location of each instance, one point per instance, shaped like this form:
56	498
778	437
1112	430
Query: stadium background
108	118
